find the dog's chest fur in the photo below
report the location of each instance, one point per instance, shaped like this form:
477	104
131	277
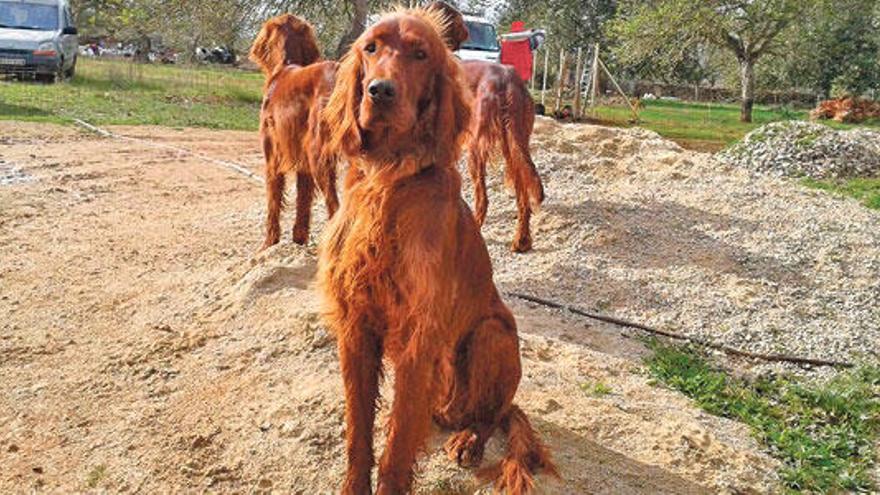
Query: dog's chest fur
358	254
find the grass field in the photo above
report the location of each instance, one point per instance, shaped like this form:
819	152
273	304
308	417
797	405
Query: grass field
703	126
117	92
825	434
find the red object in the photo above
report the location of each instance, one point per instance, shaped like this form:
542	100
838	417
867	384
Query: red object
518	54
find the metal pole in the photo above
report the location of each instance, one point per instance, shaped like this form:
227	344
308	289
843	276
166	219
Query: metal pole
546	64
534	71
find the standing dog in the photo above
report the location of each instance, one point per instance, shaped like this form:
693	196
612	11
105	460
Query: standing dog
504	115
297	85
404	272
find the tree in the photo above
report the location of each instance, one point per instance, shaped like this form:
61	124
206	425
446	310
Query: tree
748	29
569	23
358	24
836	47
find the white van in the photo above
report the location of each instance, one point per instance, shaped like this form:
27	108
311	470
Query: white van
37	39
482	42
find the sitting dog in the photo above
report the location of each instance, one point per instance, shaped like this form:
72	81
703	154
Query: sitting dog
404	272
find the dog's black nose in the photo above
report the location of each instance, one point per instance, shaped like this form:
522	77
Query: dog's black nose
381	90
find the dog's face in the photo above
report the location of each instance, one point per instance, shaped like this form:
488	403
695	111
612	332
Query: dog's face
398	89
400	57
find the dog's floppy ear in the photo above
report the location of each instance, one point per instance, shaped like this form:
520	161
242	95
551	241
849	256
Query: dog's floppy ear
456	32
446	119
284	39
261	51
342	110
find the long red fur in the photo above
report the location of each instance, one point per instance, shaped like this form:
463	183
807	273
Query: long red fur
291	130
405	274
504	115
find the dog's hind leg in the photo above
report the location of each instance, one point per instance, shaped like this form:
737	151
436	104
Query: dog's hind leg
478	158
275	183
487	374
305	194
520	174
325	178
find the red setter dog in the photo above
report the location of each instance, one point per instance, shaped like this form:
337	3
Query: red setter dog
297	85
504	115
404	272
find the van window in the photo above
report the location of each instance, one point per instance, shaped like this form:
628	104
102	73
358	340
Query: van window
481	36
68	20
17	15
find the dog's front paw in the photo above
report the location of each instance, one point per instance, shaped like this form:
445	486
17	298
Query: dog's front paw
521	245
355	486
465	448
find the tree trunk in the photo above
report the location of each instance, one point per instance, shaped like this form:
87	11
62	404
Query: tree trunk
358	24
747	75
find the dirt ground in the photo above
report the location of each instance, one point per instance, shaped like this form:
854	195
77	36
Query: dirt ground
145	349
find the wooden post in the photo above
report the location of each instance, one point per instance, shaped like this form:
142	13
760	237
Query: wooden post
578	78
594	72
635	112
585	92
560	83
546	65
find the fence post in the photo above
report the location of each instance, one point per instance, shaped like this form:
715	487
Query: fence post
578	78
560	83
594	72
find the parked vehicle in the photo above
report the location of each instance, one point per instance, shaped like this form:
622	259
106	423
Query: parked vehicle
216	55
482	42
37	39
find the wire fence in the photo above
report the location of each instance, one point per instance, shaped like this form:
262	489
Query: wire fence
207	79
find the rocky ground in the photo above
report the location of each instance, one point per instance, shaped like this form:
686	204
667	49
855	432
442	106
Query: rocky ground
144	348
807	149
636	227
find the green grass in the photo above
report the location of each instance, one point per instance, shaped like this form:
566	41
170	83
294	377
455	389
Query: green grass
824	434
701	126
865	190
596	389
709	126
106	92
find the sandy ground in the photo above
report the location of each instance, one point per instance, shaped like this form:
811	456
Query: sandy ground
145	349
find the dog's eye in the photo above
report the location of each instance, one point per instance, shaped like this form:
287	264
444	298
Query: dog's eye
421	55
370	48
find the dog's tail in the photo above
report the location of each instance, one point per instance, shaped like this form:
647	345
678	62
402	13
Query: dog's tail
526	455
518	121
284	40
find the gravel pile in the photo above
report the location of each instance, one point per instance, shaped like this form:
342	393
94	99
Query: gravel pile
806	149
636	227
